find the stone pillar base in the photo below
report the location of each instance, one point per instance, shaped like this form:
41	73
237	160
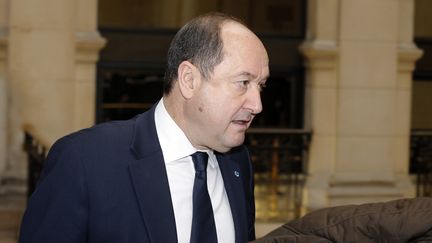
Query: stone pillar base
342	189
13	184
358	188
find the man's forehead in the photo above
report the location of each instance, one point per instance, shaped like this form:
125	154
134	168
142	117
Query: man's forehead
239	41
234	28
237	37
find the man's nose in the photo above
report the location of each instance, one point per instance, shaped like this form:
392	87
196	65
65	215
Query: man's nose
253	101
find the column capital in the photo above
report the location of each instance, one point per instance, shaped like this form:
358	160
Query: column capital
408	54
320	54
88	44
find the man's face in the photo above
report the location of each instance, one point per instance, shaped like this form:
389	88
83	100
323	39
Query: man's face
224	106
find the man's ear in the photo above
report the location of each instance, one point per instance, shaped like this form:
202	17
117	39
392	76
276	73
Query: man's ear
187	79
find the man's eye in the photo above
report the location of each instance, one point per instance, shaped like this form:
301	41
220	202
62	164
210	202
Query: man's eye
243	83
262	87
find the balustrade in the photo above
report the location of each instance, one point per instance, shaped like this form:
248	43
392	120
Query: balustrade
280	159
36	151
421	161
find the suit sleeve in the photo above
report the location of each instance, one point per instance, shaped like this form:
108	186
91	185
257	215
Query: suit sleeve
57	210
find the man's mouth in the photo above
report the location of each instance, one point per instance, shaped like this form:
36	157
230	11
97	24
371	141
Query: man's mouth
243	119
242	122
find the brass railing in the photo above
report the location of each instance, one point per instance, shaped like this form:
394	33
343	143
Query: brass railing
280	159
421	161
36	149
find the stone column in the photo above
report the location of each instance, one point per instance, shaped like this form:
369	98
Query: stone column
40	72
407	54
4	8
322	57
88	43
53	47
358	91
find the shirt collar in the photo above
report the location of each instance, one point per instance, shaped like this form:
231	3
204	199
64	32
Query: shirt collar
174	143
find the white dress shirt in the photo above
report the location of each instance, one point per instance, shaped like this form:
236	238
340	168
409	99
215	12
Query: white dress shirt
177	151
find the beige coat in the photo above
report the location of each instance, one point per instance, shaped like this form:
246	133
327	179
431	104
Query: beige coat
405	220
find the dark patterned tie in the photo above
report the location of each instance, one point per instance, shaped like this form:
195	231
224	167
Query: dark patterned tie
203	224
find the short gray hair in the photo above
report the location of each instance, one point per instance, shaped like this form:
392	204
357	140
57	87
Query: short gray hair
200	42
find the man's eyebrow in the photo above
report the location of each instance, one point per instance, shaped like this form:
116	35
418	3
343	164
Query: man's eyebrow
251	75
247	74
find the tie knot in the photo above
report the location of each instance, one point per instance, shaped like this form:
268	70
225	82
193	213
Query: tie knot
200	160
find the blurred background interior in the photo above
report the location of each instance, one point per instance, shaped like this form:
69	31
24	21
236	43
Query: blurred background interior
347	110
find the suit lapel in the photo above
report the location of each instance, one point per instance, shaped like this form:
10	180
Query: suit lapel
150	181
152	190
234	187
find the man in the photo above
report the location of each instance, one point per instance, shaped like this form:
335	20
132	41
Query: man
139	180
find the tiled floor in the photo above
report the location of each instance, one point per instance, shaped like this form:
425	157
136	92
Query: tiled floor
11	210
8	238
9	222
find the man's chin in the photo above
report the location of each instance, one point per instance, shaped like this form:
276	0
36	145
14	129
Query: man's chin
230	142
226	148
235	143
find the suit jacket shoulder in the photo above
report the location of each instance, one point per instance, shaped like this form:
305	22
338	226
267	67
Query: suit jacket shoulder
88	190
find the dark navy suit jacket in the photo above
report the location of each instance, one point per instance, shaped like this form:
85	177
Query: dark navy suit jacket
108	184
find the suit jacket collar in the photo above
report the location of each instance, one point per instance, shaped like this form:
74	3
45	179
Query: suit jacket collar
145	140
